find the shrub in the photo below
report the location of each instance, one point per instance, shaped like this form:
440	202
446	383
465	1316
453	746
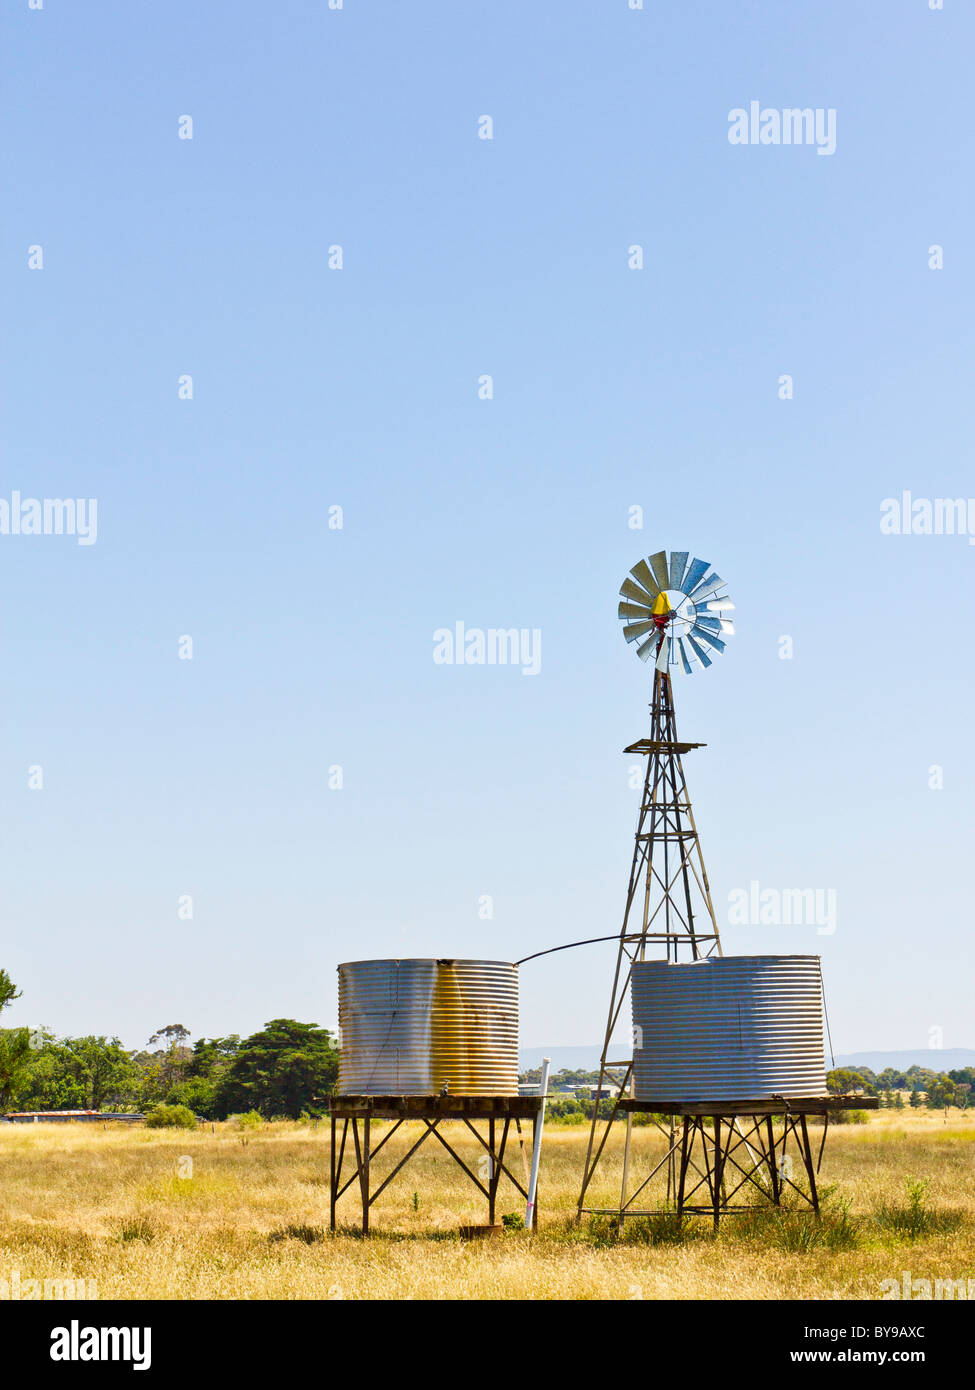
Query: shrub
795	1229
170	1117
662	1228
196	1092
915	1219
251	1119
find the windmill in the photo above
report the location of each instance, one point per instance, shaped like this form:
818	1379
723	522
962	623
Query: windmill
677	612
669	603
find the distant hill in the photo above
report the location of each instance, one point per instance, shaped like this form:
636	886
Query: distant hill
935	1059
586	1058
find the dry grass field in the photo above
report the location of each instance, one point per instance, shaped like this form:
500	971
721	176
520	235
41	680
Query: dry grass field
79	1202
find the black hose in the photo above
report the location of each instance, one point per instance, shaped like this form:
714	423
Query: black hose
568	947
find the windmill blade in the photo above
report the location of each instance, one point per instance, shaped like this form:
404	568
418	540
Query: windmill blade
708	637
711	585
683	656
634	610
638	595
696	571
664	654
658	563
704	586
728	626
710	624
699	652
700	598
645	579
678	564
646	649
718	605
634	630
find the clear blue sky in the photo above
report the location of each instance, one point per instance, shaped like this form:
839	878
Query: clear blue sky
358	387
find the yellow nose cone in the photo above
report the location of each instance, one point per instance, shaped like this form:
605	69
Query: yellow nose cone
660	605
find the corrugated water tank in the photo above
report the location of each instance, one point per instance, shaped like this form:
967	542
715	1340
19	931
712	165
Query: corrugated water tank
409	1027
728	1028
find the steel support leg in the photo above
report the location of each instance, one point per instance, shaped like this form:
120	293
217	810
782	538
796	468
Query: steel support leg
333	1179
682	1176
492	1184
810	1166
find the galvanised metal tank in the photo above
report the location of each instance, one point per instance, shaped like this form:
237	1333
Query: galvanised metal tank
411	1027
728	1028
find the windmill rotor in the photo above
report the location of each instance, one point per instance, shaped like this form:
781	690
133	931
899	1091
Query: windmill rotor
676	610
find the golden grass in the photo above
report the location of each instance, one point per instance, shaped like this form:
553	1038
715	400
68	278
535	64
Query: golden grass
252	1220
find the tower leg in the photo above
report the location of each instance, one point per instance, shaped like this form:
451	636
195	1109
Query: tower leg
718	1169
682	1179
333	1178
773	1167
497	1165
810	1166
492	1185
626	1166
671	1162
362	1161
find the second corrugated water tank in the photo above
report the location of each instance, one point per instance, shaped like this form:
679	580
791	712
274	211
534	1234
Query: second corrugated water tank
728	1028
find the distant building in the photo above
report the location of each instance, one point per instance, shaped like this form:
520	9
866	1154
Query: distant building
60	1117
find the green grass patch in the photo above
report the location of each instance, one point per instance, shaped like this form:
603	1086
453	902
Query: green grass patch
914	1218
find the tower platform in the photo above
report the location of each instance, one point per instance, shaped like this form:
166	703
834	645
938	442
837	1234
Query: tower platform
718	1149
498	1112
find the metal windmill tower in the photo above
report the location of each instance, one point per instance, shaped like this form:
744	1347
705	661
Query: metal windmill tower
676	612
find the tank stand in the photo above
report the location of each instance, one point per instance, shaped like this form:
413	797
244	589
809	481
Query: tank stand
716	1152
357	1113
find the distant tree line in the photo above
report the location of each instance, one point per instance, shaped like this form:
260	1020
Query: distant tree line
564	1078
286	1069
936	1090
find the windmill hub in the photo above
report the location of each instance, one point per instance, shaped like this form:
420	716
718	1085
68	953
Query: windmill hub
673	609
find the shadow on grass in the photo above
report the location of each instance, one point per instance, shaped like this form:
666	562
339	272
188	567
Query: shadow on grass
400	1237
137	1228
308	1235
